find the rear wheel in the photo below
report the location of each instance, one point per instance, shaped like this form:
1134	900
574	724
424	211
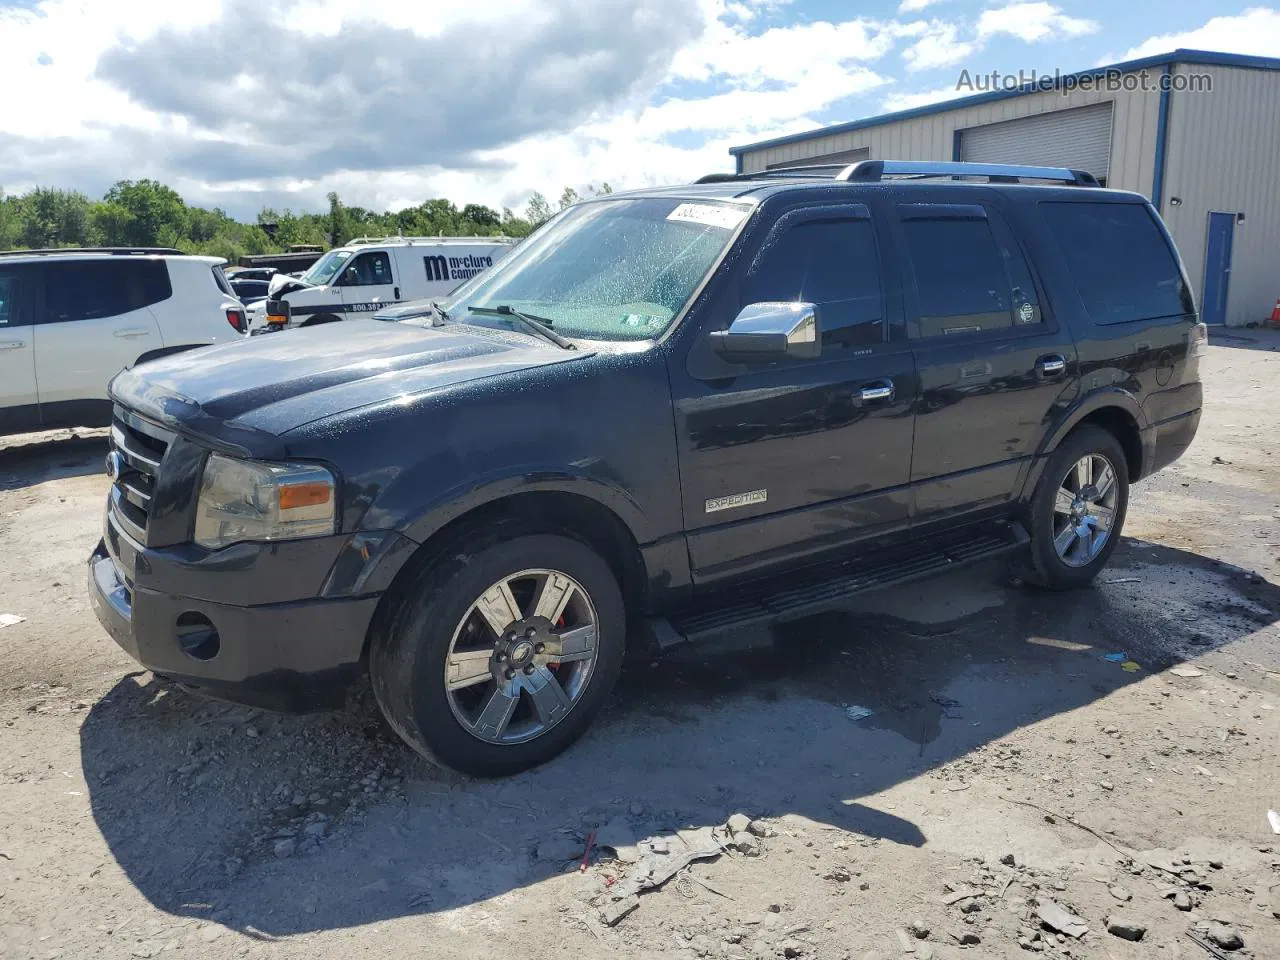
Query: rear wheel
496	662
319	319
1079	508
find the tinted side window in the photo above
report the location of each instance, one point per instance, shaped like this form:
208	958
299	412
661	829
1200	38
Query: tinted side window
834	264
1120	261
369	269
92	289
12	312
969	276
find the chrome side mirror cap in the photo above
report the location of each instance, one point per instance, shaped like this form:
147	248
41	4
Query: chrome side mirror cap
773	330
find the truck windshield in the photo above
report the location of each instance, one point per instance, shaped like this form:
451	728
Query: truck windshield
607	270
326	268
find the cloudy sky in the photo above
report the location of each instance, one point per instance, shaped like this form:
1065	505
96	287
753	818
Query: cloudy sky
242	103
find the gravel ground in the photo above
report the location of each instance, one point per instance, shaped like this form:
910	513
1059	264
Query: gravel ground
1010	788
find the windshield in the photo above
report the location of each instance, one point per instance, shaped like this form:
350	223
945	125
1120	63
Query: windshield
607	270
326	268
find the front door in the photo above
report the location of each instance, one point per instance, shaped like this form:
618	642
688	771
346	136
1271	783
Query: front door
18	408
992	360
368	283
790	460
1217	267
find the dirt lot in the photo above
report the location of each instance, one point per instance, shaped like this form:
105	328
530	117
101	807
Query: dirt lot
1006	765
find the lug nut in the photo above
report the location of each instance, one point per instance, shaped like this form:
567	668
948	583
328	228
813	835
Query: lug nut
528	670
510	674
530	633
539	647
502	656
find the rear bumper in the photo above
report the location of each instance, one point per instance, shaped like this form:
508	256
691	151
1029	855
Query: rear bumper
295	656
1166	441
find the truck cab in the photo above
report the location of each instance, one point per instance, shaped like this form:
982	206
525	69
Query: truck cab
372	273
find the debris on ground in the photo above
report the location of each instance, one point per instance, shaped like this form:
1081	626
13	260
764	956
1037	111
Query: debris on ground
613	913
1224	935
1273	818
855	712
1126	928
1115	657
618	838
1059	919
654	869
11	619
1187	671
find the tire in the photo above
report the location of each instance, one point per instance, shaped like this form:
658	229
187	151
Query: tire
1050	517
437	625
319	319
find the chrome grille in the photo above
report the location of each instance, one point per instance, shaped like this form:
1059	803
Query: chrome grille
137	448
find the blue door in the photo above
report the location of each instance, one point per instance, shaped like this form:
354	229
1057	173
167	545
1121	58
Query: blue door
1217	267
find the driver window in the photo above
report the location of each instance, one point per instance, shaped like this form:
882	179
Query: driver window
367	270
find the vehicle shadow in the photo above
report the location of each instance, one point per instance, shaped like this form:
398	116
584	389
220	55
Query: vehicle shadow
195	799
30	459
1248	338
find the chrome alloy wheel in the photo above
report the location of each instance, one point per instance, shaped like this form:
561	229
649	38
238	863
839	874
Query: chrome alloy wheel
1084	510
521	656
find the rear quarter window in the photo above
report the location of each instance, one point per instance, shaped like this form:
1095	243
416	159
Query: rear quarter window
98	288
1122	265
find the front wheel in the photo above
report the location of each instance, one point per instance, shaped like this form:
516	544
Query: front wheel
1079	509
496	662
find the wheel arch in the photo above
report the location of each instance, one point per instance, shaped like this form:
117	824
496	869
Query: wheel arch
319	318
574	514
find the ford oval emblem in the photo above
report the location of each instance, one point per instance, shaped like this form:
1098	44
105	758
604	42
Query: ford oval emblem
114	461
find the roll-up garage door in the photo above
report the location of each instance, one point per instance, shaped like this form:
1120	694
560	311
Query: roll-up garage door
1079	139
842	156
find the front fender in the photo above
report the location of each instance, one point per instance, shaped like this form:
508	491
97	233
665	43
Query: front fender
453	503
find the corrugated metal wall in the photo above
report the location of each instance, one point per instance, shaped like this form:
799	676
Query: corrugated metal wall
1224	155
931	137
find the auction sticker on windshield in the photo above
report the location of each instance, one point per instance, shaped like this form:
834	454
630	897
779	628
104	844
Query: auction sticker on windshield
708	214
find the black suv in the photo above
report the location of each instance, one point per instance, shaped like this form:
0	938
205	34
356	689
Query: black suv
668	414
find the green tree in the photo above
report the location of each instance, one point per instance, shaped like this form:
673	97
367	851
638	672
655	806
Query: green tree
568	198
486	218
53	218
339	225
150	208
538	211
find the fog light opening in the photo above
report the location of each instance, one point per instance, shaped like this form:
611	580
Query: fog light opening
198	636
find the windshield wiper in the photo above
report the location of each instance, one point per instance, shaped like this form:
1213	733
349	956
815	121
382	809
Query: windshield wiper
538	325
441	314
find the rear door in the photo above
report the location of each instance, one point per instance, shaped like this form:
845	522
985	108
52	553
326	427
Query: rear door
18	408
369	282
93	321
994	363
792	460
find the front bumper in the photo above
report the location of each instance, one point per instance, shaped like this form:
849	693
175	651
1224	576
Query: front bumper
302	654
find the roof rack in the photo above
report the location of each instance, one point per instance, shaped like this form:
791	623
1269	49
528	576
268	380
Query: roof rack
114	251
361	241
873	171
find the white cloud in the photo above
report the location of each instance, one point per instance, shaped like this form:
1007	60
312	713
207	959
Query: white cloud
1255	31
915	6
939	46
900	100
1032	22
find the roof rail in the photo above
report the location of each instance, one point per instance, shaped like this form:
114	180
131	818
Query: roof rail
872	171
817	171
115	251
361	241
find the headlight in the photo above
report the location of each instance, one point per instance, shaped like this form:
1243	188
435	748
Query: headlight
245	500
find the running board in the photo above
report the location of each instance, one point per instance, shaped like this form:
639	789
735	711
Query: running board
788	600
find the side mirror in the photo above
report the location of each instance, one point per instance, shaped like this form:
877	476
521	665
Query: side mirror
771	331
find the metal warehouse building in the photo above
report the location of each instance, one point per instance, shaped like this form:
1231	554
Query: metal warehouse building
1197	132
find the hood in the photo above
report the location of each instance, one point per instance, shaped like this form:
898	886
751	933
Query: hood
243	396
282	283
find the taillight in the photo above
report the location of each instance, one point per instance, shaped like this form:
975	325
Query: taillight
235	317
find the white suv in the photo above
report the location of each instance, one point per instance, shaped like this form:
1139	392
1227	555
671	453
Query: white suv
70	320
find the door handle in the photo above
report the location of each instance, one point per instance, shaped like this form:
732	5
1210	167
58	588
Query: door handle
12	344
876	391
396	290
1051	366
133	332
